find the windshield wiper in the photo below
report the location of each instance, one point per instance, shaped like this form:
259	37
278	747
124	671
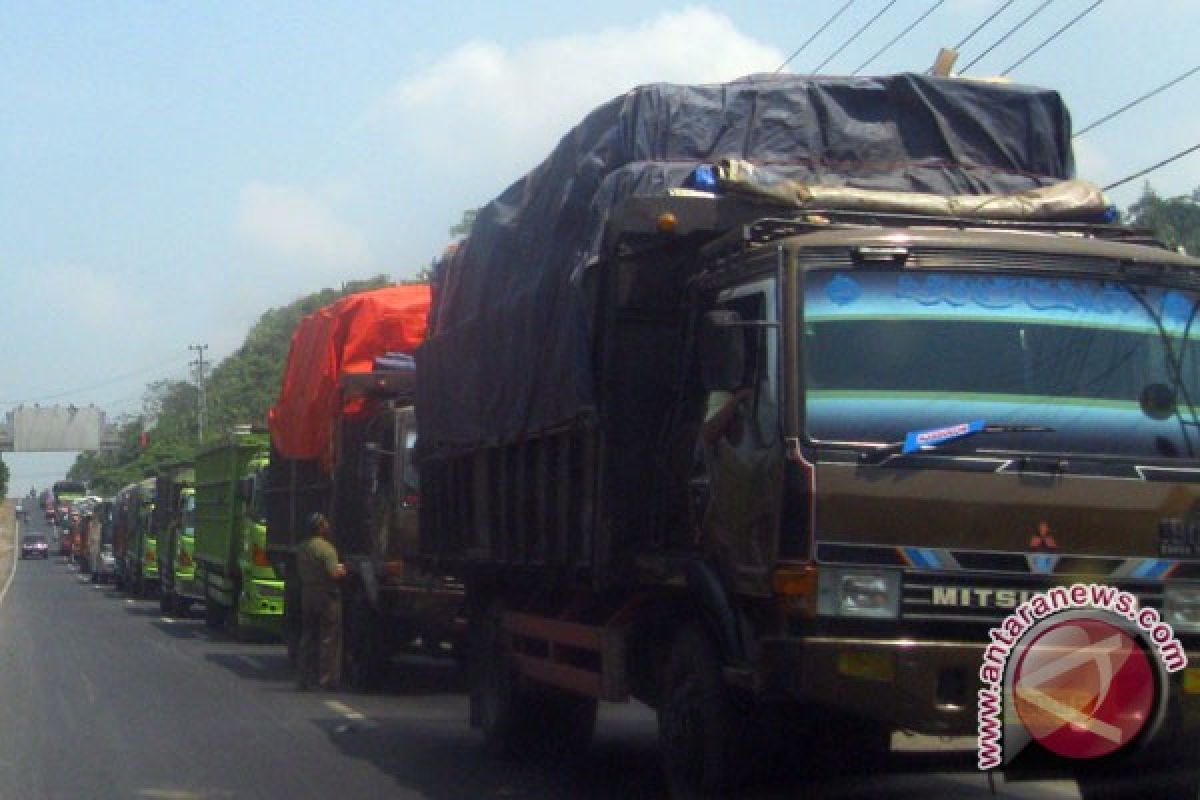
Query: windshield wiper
932	438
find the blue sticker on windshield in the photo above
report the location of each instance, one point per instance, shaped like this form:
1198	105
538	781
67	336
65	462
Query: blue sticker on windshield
843	290
916	440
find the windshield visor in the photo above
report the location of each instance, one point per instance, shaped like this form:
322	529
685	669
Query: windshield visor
887	353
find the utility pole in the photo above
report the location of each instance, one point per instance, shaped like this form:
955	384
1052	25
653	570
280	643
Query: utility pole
199	364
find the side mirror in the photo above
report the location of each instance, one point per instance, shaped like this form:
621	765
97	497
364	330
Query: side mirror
246	488
722	343
1157	401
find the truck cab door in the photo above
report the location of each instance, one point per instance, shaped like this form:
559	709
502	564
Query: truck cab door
742	447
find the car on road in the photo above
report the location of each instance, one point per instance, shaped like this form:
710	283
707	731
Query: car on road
34	546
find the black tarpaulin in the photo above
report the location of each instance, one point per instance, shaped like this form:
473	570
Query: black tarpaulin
509	353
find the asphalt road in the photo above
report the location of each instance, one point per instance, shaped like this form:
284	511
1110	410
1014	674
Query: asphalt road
102	697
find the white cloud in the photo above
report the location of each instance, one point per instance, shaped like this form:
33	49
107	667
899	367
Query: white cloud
482	105
295	226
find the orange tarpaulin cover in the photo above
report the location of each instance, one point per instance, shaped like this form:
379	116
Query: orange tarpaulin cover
340	338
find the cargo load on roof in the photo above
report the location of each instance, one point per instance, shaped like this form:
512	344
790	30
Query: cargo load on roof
343	338
509	354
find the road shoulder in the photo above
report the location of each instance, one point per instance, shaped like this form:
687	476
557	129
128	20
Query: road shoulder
8	545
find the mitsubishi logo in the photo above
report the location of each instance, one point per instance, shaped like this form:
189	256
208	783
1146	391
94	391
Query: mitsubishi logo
1042	563
1043	539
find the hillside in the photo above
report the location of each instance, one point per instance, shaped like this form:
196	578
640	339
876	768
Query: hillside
241	389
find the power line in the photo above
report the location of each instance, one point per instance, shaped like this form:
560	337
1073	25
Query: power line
1052	37
97	385
1139	100
1159	165
1006	36
898	36
810	39
853	37
983	24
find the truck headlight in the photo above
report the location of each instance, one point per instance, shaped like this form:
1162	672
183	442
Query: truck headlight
1181	606
847	592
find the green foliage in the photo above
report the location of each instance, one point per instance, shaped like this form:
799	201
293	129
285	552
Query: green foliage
1174	220
240	391
3	479
464	225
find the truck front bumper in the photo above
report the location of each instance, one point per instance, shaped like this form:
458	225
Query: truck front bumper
922	686
188	587
262	599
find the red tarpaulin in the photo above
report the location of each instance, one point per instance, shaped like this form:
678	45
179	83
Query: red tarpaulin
340	338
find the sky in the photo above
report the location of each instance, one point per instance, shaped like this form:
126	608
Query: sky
170	170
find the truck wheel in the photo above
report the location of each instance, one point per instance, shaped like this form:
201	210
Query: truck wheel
291	618
701	721
568	720
165	604
520	719
214	615
501	709
364	660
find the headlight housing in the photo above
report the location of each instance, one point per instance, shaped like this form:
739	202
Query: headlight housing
1181	606
855	592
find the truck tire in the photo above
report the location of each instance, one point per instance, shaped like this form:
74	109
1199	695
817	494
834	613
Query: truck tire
364	656
702	722
214	615
503	711
165	602
520	719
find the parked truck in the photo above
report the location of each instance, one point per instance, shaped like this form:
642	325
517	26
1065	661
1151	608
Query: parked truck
101	561
763	402
241	589
343	434
134	543
174	525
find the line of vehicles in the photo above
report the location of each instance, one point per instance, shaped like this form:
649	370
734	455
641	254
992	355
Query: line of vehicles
755	426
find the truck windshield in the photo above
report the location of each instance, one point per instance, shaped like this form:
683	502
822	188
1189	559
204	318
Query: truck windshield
890	352
189	514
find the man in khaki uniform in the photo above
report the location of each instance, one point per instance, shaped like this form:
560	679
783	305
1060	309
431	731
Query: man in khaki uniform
320	660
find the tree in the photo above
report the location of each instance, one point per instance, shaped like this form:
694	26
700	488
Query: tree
3	479
1175	220
464	225
240	390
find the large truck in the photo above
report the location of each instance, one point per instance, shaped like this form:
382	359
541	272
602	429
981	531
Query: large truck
764	402
134	544
101	561
241	589
342	435
174	524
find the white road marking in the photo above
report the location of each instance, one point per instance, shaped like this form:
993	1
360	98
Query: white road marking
252	662
167	620
344	710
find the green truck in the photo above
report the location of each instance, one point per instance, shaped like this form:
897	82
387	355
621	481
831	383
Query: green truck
239	585
174	521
